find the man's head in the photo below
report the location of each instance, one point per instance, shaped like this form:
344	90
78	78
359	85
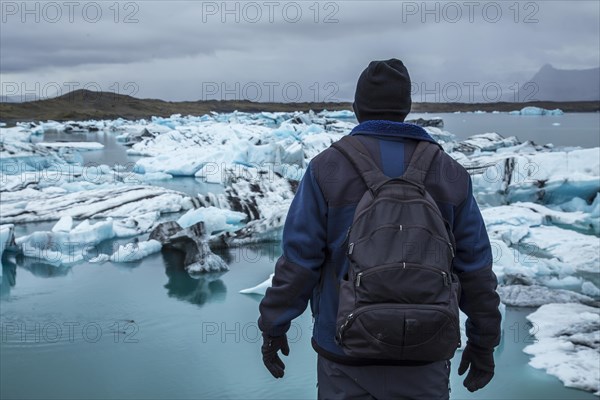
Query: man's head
383	92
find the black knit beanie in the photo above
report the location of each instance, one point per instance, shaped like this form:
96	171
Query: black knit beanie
383	92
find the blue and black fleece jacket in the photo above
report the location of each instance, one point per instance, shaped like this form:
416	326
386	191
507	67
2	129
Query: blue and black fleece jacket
314	260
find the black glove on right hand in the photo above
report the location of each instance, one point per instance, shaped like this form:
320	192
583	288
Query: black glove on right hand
482	366
271	345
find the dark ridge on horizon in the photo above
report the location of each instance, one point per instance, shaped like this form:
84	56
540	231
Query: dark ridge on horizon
553	84
84	105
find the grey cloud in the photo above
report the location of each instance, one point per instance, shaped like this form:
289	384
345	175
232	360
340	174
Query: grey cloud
175	48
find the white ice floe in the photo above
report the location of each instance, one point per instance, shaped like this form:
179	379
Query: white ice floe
588	288
549	177
529	249
215	219
263	197
66	248
20	151
485	142
537	111
568	344
135	251
535	296
64	224
122	201
67	245
261	288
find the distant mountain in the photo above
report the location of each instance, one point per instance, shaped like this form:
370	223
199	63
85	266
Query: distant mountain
551	84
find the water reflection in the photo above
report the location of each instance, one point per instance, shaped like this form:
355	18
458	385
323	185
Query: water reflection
9	277
198	289
41	269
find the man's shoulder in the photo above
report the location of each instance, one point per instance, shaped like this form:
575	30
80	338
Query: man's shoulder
448	179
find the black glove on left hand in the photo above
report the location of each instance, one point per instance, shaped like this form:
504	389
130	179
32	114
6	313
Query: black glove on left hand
481	369
271	345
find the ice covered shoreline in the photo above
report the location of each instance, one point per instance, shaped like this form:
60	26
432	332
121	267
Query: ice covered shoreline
540	203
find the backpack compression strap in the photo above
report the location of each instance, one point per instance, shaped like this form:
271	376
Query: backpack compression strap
421	161
358	155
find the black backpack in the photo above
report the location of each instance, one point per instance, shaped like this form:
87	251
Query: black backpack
399	299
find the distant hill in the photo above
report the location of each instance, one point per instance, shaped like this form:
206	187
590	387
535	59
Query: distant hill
563	85
83	105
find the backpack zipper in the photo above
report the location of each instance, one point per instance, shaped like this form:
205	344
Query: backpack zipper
339	338
444	274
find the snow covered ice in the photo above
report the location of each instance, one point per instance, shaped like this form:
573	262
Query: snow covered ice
568	344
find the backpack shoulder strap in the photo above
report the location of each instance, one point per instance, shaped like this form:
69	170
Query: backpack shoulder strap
420	162
358	155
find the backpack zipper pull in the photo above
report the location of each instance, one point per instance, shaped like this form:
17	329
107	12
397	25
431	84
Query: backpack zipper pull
358	279
451	249
350	248
446	282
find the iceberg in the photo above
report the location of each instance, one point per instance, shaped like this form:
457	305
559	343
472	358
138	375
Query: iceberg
19	151
66	248
118	201
261	288
485	142
537	111
193	243
135	251
264	198
532	175
340	114
589	289
536	296
215	219
64	224
568	344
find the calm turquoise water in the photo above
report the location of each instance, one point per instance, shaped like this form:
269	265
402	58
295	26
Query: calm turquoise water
575	129
147	330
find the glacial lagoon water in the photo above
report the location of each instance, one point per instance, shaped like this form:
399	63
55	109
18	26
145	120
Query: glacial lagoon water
570	129
147	330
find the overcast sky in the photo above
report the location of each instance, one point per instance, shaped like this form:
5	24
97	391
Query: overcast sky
280	50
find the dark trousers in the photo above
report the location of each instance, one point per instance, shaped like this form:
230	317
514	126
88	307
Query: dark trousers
339	381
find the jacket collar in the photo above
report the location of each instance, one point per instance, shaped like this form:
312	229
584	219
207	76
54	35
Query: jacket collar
391	129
